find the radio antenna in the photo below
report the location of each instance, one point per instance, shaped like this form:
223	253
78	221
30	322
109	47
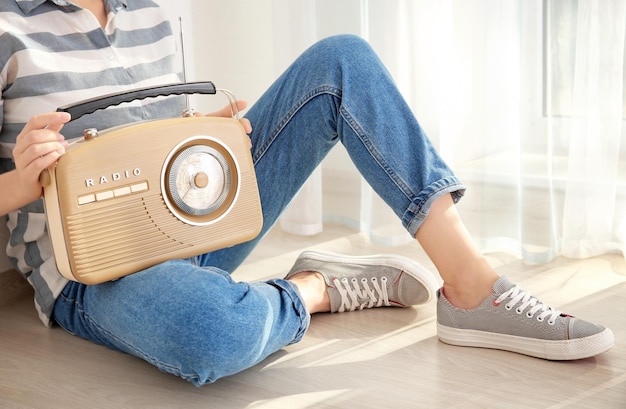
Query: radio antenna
188	111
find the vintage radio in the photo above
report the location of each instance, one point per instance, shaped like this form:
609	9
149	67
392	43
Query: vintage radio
124	199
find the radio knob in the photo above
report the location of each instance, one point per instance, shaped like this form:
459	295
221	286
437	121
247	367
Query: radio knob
90	133
201	180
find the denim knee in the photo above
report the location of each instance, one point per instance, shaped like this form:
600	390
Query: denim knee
220	342
343	42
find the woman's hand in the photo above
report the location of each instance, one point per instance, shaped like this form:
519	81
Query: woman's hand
227	112
37	147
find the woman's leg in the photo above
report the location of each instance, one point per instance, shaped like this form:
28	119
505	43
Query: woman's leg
468	277
194	322
478	308
339	91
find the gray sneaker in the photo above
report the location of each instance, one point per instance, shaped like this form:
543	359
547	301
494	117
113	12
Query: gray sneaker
512	320
355	283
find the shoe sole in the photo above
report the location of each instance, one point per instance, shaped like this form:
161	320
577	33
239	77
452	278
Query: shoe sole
538	348
415	270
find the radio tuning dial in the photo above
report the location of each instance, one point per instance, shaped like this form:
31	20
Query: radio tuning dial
198	180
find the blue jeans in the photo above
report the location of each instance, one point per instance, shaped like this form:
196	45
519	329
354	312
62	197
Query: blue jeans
188	317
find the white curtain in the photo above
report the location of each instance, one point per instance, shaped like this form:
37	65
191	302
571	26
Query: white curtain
594	206
524	99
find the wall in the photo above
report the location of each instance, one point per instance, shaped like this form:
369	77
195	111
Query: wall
229	43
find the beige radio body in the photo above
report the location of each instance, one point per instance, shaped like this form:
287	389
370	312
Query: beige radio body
139	195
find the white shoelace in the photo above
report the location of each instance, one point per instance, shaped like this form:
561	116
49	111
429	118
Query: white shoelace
355	294
517	295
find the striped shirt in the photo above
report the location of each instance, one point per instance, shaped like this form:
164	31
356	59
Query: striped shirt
52	54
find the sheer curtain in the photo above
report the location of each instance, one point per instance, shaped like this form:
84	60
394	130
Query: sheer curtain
594	206
524	99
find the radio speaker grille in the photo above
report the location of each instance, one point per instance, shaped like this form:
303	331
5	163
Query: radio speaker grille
120	234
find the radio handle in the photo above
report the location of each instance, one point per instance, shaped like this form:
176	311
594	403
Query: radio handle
89	106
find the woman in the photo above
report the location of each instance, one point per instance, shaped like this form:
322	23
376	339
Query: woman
56	52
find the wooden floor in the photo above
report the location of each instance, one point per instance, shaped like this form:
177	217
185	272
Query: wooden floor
384	358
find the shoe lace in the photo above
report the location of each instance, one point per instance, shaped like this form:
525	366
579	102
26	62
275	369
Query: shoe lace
358	294
518	295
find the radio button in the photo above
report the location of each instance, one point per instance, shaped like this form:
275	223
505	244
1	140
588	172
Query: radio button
122	191
139	187
108	194
82	200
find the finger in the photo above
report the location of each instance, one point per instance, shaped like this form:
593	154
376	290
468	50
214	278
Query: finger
41	128
52	120
241	104
229	109
26	152
247	126
43	162
29	174
43	149
38	141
